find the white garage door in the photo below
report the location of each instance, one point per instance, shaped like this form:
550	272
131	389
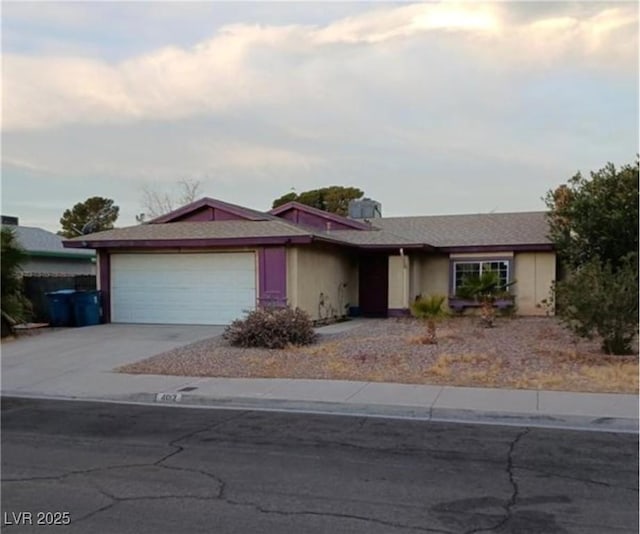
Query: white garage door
213	288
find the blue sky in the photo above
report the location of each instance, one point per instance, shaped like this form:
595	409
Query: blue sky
429	108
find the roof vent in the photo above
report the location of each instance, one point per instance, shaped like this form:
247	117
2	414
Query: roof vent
365	208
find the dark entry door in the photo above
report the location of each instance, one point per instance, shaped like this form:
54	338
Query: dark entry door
374	285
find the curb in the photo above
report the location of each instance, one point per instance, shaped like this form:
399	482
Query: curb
413	413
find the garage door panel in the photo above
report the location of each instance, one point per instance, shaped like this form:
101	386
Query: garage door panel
213	288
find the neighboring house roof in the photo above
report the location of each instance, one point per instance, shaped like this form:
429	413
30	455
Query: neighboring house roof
502	231
41	243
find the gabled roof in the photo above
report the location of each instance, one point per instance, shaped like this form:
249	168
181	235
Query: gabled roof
206	202
280	211
39	242
298	223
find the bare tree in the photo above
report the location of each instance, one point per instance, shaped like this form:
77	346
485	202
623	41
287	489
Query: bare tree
158	202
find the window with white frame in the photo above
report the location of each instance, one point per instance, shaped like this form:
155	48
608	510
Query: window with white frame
464	268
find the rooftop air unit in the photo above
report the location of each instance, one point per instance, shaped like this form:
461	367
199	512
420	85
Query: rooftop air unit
365	208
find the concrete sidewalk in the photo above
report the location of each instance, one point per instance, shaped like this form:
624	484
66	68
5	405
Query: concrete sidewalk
78	364
589	411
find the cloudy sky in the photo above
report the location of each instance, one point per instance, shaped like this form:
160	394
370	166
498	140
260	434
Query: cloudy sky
429	108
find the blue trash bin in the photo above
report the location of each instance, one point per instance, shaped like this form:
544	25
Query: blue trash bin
86	307
60	310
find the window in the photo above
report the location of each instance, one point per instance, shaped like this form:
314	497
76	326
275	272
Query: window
462	269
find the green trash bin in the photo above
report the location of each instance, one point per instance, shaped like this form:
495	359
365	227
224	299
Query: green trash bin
86	307
60	308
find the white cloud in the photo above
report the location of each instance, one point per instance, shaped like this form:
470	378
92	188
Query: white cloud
251	66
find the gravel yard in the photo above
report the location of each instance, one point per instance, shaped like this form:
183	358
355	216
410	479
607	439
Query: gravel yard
523	353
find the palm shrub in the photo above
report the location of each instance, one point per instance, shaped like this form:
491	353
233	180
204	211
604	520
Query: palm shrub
15	307
271	328
485	288
600	299
430	308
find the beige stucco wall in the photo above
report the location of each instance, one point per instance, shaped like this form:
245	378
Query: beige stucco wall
433	276
399	281
534	273
321	280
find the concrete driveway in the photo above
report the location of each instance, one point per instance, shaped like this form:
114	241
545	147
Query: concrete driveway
79	361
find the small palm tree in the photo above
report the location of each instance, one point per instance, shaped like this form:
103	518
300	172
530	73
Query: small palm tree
429	308
485	289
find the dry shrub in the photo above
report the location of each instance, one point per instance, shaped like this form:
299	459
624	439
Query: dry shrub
339	368
441	368
616	376
271	328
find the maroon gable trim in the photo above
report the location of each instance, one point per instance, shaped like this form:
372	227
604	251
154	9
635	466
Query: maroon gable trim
212	210
303	214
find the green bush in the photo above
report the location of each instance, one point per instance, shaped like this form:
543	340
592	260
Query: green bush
15	307
429	307
596	299
271	328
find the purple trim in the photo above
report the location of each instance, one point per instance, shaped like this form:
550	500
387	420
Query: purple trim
398	312
104	259
239	211
201	214
540	247
313	220
330	217
191	243
458	304
272	276
391	248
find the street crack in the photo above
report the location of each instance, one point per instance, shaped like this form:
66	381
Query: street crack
264	510
513	499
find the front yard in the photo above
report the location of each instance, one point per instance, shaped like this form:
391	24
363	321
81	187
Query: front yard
521	353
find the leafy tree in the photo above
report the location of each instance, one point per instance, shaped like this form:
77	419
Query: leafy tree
156	203
93	215
594	225
15	307
596	299
334	199
597	217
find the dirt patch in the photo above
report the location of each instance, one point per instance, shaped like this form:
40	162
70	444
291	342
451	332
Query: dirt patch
521	353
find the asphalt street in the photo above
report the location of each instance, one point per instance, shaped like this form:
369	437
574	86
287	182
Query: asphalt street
115	468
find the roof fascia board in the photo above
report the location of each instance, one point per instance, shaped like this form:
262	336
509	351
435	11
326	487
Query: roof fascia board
190	243
535	247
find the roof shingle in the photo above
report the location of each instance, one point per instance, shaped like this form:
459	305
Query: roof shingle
198	230
483	229
34	240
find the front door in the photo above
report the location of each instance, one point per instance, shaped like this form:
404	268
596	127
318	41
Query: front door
374	285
